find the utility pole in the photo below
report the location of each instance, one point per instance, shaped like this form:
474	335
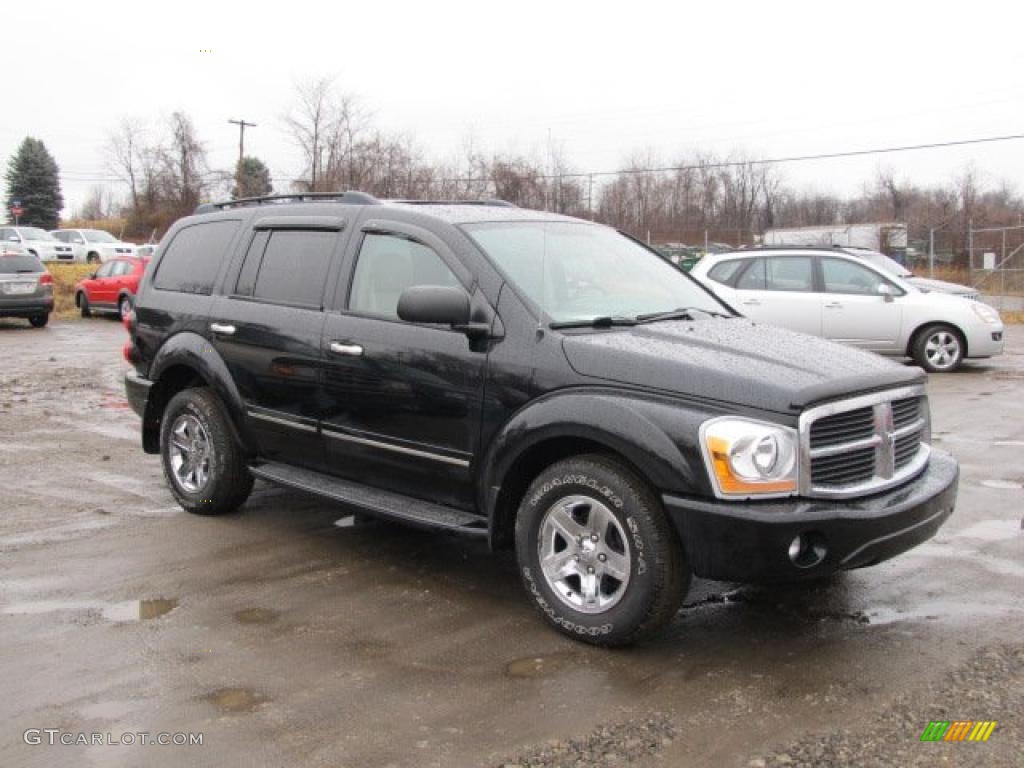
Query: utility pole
242	125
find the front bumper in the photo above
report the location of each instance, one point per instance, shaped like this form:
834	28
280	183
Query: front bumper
750	541
986	342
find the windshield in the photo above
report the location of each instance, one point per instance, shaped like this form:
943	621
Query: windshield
583	271
34	233
884	263
98	236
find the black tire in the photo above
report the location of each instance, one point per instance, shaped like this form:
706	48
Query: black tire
83	304
92	258
659	574
124	306
39	321
939	348
228	482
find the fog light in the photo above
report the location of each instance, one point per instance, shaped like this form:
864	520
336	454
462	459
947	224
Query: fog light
807	549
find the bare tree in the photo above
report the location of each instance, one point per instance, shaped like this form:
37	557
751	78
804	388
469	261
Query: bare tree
124	150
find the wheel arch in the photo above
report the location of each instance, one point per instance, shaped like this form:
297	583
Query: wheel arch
188	360
560	426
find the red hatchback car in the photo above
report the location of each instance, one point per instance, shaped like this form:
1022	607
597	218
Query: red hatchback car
111	288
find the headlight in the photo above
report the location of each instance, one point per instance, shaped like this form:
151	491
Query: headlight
748	458
986	313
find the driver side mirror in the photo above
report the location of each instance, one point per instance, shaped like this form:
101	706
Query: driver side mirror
885	290
440	305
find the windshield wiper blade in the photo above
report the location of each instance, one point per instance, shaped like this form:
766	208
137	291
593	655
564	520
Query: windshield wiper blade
677	314
602	321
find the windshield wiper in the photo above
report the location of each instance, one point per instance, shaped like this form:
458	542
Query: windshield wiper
602	321
677	314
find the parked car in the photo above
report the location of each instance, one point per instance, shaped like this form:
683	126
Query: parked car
893	267
26	288
93	246
146	251
531	379
37	242
848	299
111	288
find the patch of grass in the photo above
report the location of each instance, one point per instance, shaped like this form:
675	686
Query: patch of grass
1012	318
65	278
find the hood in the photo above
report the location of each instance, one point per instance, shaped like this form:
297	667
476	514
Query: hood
941	286
733	361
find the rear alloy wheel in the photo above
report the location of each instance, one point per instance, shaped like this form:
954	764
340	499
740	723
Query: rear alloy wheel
203	465
124	306
597	553
939	349
83	304
38	321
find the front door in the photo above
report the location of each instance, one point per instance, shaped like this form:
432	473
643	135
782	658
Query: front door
854	312
267	328
403	400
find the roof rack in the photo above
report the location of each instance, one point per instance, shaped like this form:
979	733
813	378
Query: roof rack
492	201
801	247
347	198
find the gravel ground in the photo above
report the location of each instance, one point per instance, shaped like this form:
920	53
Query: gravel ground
989	687
617	745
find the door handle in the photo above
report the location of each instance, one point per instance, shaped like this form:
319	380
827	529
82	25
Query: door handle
224	330
751	302
834	305
352	350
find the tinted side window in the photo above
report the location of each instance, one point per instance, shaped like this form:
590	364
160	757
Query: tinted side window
789	273
753	278
846	277
192	259
251	265
724	272
107	270
294	267
389	264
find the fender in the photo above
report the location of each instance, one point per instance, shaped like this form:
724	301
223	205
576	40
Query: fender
193	351
658	436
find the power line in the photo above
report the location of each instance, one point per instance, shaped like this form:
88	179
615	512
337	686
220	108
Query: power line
72	176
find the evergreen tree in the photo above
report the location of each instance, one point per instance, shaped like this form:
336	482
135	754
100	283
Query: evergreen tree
33	180
252	178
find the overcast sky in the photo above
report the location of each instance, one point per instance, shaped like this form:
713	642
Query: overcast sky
603	80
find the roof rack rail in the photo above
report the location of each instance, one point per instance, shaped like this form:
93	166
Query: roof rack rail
347	198
799	247
493	201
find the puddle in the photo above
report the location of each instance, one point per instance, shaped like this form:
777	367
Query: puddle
1002	485
256	616
530	667
235	699
140	610
130	610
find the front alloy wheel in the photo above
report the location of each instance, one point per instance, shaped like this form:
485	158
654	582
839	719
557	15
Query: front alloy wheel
597	552
939	349
583	554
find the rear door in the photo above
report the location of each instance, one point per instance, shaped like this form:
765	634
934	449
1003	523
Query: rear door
267	327
853	310
780	290
403	399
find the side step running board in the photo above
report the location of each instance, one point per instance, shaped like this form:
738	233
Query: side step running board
375	501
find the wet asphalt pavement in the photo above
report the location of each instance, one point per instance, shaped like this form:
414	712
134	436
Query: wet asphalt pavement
288	638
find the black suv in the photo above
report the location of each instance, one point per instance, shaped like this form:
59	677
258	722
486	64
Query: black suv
540	381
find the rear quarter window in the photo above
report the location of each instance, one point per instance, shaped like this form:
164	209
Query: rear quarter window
191	261
725	272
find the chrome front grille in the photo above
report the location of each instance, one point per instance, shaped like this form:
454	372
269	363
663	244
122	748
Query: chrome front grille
865	444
